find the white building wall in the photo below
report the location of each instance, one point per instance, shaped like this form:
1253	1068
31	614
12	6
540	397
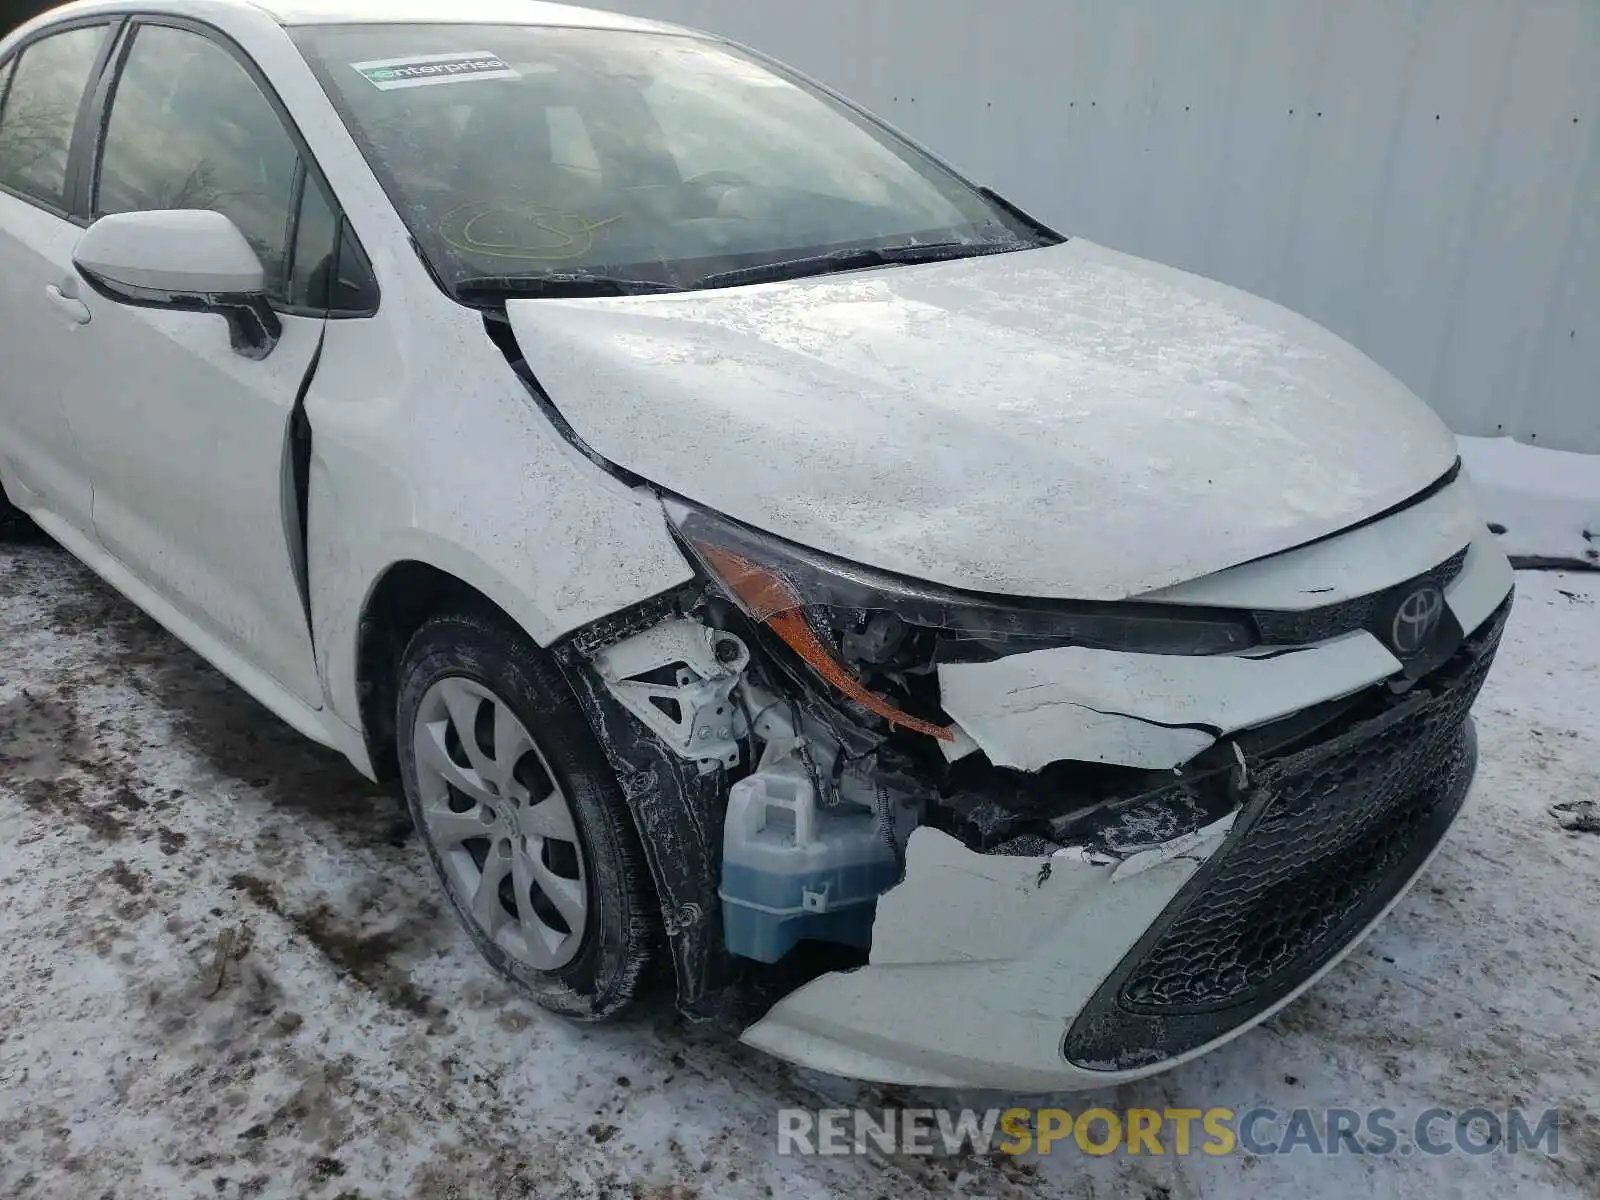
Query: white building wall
1421	176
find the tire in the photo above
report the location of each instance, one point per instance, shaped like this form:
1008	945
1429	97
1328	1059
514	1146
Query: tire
14	523
491	739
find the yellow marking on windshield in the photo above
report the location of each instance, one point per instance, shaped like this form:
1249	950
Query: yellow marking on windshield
539	232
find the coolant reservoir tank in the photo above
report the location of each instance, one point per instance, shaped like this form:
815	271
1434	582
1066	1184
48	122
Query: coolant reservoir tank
792	869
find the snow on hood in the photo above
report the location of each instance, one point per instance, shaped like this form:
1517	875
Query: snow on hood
1062	422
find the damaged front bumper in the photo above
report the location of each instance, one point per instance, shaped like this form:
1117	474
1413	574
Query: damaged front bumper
1157	711
1065	966
1108	859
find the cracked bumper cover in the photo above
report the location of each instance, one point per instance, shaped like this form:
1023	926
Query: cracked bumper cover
1017	972
1159	710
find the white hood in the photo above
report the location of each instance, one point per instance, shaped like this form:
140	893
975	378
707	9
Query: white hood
1065	422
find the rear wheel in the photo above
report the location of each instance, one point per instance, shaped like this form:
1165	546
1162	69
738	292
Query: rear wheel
521	816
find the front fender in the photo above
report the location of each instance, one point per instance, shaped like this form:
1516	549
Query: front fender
443	459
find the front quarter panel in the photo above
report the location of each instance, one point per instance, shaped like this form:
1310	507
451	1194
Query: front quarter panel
426	447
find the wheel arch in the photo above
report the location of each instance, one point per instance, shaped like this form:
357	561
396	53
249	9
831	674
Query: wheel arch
404	595
410	590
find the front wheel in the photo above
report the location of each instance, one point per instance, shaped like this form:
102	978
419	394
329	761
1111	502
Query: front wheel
522	817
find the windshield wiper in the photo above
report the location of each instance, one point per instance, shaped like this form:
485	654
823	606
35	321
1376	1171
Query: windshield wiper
853	259
493	288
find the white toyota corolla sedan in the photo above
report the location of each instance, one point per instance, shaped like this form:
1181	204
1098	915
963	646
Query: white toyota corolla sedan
772	566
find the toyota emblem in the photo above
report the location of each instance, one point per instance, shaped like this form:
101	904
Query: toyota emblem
1416	619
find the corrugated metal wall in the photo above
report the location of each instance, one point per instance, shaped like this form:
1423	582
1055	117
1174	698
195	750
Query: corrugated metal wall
1421	176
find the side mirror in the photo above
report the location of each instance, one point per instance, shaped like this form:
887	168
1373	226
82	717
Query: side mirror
193	260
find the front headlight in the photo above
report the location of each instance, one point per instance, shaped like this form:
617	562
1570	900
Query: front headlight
803	595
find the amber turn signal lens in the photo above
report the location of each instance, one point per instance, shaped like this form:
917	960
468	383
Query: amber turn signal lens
793	628
770	598
762	592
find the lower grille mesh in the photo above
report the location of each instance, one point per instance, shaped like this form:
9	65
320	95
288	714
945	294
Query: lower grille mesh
1329	836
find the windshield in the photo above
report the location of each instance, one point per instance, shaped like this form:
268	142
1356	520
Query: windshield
580	161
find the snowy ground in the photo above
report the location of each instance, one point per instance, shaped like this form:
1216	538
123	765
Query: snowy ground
1544	504
356	1047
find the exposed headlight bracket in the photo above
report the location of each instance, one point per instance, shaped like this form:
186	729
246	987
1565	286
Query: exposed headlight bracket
678	678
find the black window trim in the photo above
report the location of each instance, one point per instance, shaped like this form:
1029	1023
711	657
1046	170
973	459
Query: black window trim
291	235
6	64
348	239
343	235
113	24
98	101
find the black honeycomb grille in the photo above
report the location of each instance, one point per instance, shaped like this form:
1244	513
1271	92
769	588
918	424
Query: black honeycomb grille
1328	837
1337	833
1335	620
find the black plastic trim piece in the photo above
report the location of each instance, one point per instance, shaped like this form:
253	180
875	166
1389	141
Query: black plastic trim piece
678	812
297	487
253	325
1051	236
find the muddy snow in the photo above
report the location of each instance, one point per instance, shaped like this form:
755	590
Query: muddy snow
226	973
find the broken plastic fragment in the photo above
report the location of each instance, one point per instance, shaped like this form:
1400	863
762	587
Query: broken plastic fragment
1179	847
1152	711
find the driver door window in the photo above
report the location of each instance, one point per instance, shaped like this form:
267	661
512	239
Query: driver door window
189	128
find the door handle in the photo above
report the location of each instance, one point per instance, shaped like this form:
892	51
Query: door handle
76	309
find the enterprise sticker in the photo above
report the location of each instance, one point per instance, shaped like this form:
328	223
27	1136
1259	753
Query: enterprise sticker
423	70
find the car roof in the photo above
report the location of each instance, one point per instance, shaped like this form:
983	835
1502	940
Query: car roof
500	12
338	12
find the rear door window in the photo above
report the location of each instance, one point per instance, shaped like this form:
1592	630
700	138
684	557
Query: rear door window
41	110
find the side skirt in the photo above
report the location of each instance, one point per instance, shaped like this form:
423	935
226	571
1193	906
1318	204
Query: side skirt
320	725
